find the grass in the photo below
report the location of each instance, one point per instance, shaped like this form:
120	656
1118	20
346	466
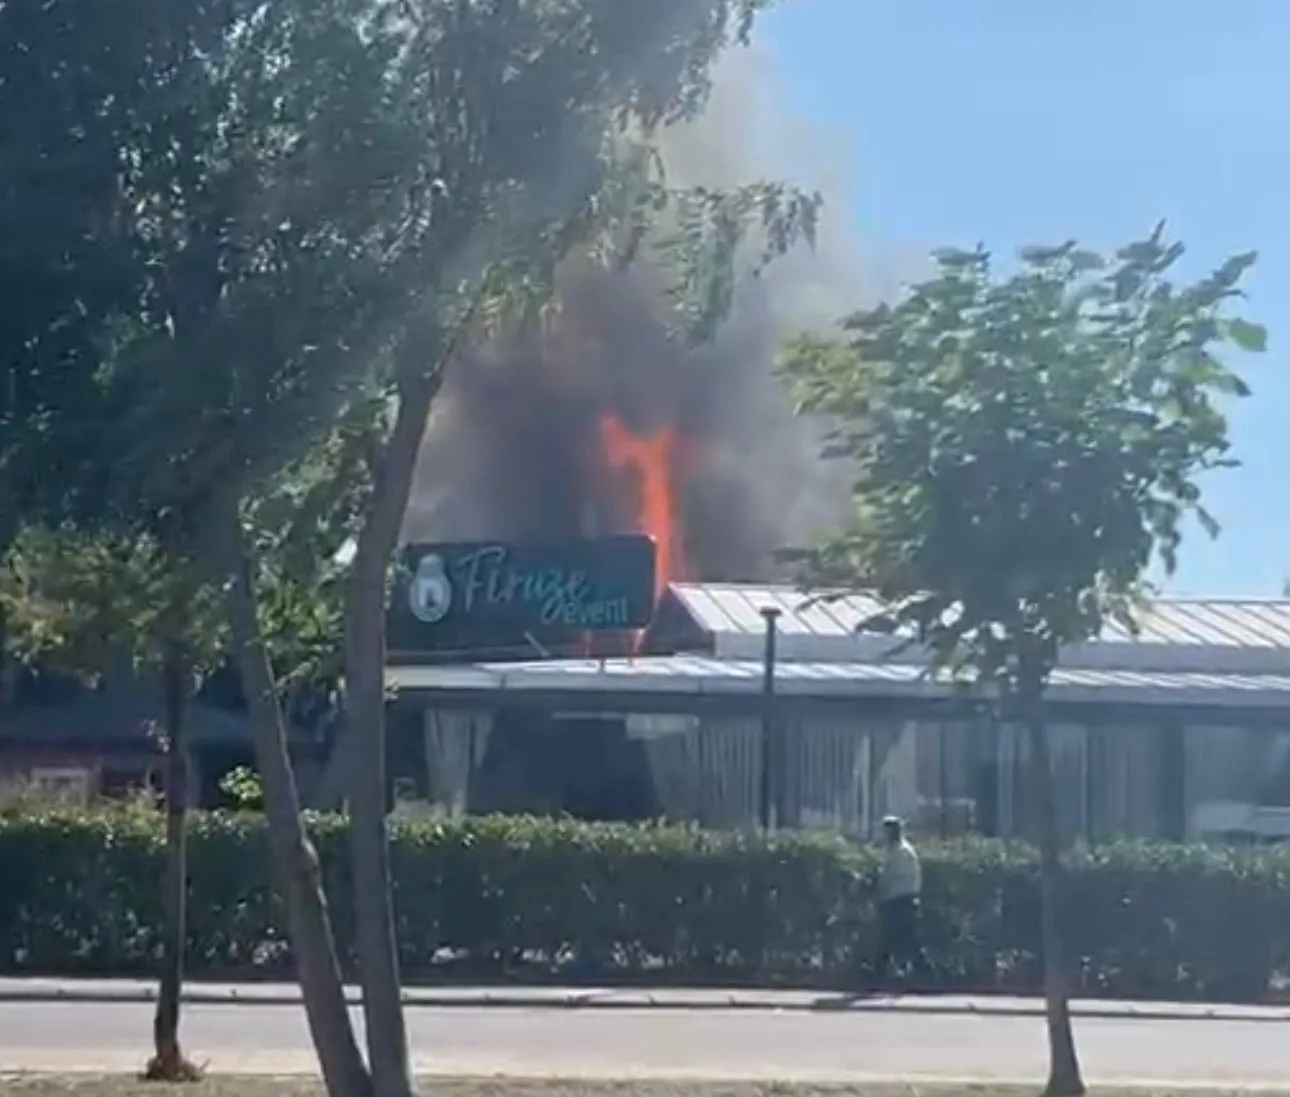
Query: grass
48	1085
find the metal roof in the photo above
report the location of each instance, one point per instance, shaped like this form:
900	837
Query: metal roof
735	608
1192	635
689	675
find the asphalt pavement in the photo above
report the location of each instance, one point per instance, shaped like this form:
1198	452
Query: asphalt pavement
833	1045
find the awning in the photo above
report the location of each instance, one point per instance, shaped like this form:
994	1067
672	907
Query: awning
688	675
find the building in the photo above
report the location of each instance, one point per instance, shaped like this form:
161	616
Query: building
1181	731
78	743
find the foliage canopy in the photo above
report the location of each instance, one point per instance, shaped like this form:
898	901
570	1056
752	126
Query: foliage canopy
1025	443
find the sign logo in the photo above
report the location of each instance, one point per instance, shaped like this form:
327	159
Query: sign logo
430	591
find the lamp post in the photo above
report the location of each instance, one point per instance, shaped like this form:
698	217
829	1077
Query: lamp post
770	777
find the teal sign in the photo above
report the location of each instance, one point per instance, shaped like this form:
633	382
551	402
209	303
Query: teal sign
484	596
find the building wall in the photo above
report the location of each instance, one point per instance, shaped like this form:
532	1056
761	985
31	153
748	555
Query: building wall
945	776
1148	775
73	772
1112	781
1146	778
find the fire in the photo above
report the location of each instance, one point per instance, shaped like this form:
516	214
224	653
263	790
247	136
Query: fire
655	462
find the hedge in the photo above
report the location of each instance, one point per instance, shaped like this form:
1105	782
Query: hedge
558	900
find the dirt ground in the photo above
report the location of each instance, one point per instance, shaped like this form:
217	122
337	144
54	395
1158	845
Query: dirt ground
232	1086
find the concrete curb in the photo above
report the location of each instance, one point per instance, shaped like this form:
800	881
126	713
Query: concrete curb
108	992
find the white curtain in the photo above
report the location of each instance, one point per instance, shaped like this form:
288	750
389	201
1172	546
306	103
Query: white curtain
1012	760
455	744
672	749
729	750
829	774
897	784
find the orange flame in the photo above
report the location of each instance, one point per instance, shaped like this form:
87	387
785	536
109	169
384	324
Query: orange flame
654	461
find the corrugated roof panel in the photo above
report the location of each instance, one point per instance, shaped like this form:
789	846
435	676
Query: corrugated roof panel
1217	622
1262	619
709	610
844	615
725	608
1175	625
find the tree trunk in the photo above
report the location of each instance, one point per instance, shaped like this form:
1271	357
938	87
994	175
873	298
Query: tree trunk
168	1063
1064	1078
387	1042
295	860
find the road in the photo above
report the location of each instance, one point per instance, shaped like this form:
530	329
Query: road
711	1043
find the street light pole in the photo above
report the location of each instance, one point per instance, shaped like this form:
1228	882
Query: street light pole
770	760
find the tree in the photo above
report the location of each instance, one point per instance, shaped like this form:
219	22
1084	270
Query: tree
65	270
320	204
1026	444
179	154
94	605
91	606
706	258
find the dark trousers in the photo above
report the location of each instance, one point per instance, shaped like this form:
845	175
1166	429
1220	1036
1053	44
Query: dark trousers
899	947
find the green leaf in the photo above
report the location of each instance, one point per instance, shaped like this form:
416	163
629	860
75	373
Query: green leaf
1250	337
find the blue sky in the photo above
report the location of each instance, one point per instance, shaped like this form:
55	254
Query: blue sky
1023	121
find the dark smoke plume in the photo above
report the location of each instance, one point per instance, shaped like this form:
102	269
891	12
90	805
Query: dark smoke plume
513	449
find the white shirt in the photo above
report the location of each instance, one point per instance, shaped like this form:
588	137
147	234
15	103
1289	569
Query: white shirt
902	875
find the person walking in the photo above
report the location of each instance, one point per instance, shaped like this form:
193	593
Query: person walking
900	888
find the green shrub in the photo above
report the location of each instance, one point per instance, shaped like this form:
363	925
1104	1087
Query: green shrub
558	900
